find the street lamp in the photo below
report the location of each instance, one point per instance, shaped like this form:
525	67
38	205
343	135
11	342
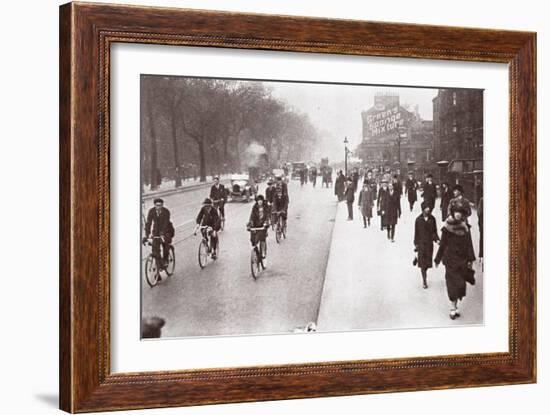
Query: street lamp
346	156
401	133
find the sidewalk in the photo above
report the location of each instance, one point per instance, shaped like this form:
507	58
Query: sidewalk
169	186
370	283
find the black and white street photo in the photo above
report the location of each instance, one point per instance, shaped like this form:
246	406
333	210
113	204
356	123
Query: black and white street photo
273	207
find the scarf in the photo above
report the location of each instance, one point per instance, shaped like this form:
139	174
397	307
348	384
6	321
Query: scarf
458	227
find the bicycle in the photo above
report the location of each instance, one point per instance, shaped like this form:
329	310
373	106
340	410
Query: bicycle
258	255
205	246
280	226
154	264
217	205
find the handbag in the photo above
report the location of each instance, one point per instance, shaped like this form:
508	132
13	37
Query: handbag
469	276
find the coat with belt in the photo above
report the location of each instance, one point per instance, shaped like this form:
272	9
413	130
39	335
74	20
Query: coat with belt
366	201
390	205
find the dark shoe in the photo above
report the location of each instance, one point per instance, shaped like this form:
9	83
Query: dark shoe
424	285
214	256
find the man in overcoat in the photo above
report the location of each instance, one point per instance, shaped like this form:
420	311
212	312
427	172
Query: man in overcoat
429	192
366	202
339	186
411	186
390	206
349	195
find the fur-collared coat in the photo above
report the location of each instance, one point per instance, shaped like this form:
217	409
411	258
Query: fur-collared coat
455	251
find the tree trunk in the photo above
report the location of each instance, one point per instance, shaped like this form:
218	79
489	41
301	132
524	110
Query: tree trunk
175	147
202	161
154	156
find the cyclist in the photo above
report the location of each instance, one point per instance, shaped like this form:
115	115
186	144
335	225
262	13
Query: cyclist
218	194
280	184
280	204
269	191
208	216
158	224
259	218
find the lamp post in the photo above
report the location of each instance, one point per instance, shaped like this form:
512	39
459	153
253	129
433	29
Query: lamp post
401	133
346	156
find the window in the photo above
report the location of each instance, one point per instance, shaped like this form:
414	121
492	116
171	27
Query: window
454	98
455	127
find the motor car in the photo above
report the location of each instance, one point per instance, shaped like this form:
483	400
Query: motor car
242	188
296	168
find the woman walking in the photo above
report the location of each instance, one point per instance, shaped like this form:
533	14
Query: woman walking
390	209
425	234
457	254
366	201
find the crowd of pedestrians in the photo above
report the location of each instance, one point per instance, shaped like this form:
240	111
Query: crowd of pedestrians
382	195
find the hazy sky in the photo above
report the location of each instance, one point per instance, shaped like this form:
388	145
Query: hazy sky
336	109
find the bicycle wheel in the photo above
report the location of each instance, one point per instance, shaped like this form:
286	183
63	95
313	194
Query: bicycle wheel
171	262
255	267
278	232
151	271
263	253
203	254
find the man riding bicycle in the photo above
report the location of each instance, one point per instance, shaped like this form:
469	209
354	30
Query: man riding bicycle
159	227
269	192
259	218
218	194
208	216
280	205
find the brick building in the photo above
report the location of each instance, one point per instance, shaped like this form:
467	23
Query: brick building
458	124
393	135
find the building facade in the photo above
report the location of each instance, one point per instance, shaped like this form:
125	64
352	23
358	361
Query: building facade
394	136
458	124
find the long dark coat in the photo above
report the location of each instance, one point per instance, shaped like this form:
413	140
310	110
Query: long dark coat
350	193
446	196
390	204
366	201
425	234
397	186
411	185
455	251
339	186
429	194
381	195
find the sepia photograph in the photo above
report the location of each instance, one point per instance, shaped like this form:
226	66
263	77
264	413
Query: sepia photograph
288	207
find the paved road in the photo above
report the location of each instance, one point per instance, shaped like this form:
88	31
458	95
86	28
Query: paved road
223	299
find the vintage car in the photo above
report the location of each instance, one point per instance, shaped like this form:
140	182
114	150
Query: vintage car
297	167
279	173
242	188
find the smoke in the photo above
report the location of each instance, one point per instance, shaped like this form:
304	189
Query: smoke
253	154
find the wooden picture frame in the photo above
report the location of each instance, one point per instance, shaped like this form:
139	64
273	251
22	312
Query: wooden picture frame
86	33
